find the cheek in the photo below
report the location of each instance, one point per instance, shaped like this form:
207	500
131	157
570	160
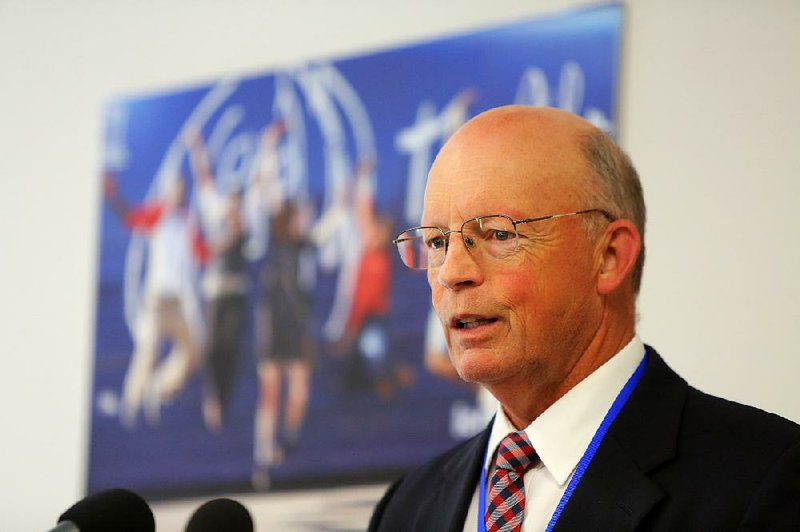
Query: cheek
538	305
431	277
437	296
436	288
521	294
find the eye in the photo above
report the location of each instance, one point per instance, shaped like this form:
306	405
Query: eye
436	242
500	235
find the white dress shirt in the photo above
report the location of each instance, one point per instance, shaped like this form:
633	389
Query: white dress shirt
561	435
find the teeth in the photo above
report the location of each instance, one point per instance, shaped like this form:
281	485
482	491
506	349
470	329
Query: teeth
469	323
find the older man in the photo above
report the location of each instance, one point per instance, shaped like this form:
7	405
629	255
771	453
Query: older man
532	239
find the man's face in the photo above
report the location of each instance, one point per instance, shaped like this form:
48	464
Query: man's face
532	315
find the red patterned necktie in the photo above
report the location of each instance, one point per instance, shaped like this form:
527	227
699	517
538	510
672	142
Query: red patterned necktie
506	498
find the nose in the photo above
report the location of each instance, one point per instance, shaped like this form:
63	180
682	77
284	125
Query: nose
459	269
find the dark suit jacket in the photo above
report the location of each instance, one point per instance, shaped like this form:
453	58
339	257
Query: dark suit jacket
675	459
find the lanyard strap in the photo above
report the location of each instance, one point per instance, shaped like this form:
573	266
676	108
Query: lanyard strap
616	406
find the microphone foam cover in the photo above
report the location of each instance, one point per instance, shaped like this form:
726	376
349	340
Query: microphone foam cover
117	510
220	514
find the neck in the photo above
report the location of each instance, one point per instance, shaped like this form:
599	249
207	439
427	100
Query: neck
535	391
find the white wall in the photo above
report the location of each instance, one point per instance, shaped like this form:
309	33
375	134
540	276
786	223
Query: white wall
710	113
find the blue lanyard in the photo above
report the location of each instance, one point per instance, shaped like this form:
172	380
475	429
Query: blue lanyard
616	406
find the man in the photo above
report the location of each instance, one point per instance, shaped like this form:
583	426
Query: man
168	300
532	239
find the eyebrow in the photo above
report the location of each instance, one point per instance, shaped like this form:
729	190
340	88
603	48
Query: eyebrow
464	219
456	224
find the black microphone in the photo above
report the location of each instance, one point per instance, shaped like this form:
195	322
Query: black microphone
114	510
220	514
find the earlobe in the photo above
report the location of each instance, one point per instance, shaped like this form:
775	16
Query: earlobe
621	244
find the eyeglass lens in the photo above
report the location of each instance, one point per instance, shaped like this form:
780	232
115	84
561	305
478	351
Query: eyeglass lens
426	247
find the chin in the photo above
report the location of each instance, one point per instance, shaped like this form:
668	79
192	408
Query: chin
474	367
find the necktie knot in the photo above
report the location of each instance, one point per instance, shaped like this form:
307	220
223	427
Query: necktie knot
516	453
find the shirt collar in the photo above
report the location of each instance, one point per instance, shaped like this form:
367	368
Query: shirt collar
562	433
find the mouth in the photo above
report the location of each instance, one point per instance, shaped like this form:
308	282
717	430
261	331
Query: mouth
471	322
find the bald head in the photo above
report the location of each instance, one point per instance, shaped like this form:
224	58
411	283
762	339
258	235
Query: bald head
544	120
544	139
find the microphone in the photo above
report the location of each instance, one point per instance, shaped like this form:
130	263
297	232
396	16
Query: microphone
220	514
114	510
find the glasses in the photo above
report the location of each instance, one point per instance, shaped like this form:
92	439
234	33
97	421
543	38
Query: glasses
495	236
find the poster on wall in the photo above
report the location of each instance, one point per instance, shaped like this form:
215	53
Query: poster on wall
255	326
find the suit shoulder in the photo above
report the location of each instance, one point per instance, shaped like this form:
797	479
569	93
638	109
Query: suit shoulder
724	432
710	419
445	481
441	463
741	420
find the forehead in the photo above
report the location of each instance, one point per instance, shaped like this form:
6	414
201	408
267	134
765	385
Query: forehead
517	167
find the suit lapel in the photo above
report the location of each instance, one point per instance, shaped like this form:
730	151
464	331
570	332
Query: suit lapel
616	493
447	508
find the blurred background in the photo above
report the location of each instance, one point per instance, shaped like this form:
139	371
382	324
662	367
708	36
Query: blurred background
707	109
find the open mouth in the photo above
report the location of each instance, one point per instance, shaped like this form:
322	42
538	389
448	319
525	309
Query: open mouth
472	322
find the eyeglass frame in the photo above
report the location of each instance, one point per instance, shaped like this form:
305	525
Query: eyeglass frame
446	233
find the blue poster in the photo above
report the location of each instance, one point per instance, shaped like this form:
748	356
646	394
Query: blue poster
255	326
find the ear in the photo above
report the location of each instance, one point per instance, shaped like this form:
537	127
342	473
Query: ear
620	249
